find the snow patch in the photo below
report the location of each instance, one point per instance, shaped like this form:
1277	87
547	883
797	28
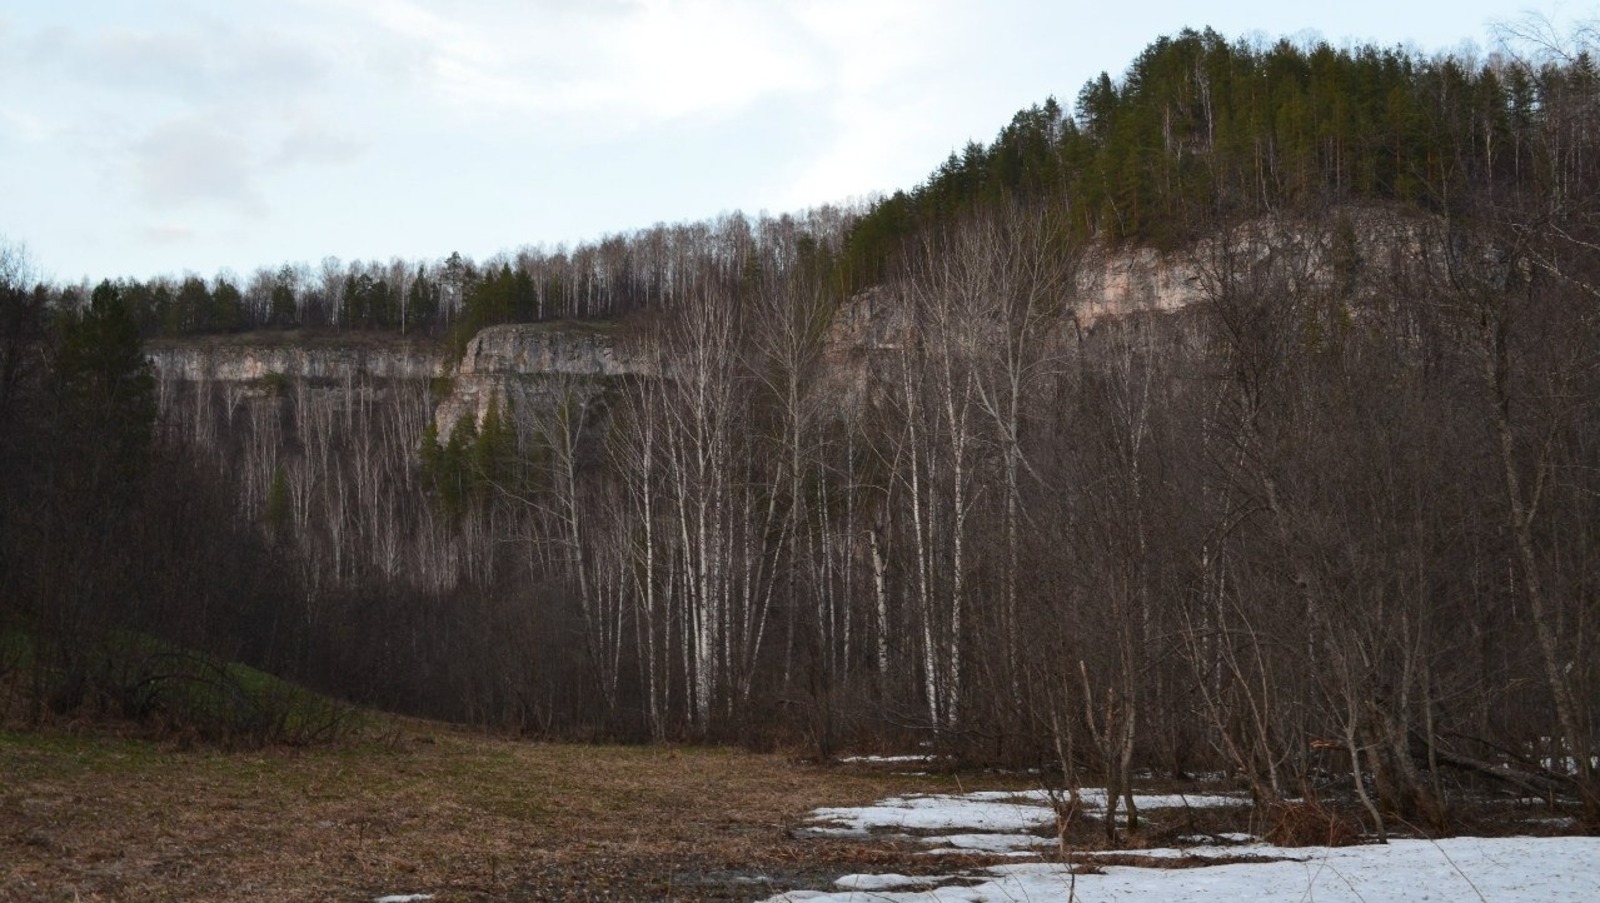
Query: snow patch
1008	823
938	812
990	843
1505	870
890	881
991	811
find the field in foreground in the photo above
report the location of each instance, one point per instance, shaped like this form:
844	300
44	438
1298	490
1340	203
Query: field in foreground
435	811
458	816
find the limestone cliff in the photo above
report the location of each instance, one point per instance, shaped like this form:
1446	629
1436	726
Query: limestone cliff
261	356
1114	282
533	366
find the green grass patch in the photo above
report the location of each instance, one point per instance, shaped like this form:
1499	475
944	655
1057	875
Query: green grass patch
39	755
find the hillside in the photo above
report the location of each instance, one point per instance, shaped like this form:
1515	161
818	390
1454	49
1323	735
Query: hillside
1241	421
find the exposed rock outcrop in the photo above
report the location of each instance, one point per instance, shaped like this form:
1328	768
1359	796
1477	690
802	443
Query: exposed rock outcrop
531	367
260	356
1118	281
534	366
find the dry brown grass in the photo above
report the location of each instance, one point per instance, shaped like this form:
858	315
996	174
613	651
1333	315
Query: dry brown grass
1310	823
454	814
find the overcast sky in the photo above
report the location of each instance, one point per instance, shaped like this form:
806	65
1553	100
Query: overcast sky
142	138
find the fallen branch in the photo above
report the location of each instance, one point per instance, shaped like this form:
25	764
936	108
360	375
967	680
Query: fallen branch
1536	784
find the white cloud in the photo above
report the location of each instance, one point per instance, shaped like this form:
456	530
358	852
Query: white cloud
677	59
308	139
196	160
874	44
178	112
486	123
893	62
168	233
863	156
631	63
165	62
22	125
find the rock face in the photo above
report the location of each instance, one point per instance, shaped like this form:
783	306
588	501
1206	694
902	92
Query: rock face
254	358
535	366
532	367
573	349
864	331
1128	280
1374	243
1107	283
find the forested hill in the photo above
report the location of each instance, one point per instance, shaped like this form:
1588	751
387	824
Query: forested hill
1201	131
872	478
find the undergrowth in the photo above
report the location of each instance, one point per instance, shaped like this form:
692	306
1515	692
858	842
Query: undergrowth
164	691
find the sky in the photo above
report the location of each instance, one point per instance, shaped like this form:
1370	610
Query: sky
164	137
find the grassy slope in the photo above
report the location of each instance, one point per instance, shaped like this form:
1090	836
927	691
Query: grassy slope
183	692
432	810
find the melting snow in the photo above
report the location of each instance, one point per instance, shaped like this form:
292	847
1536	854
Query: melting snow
933	812
994	811
1503	870
889	882
990	843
